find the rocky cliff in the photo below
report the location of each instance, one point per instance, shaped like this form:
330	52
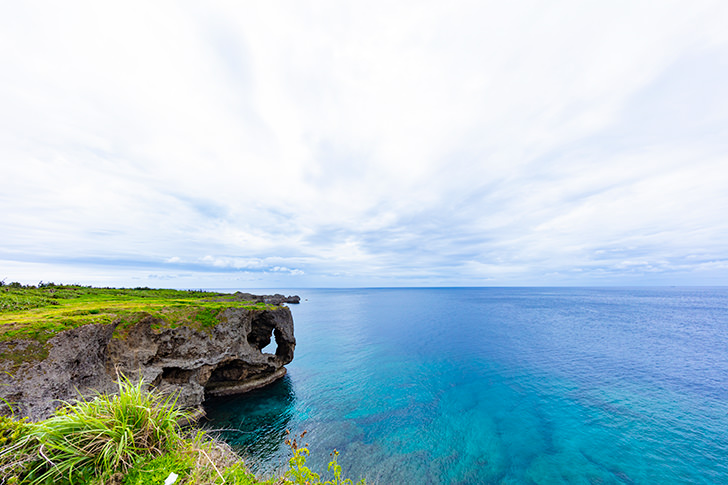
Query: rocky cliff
223	358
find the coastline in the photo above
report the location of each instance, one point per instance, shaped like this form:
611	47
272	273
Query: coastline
60	342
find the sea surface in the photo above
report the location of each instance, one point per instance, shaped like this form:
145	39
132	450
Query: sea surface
499	385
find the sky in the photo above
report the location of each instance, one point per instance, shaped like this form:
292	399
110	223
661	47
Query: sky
289	144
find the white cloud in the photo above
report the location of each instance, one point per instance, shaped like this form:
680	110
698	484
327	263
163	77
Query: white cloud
237	263
387	142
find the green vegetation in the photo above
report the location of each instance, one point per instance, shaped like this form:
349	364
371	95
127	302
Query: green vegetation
38	312
301	474
132	438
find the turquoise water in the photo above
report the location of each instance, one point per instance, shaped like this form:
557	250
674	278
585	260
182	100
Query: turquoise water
500	385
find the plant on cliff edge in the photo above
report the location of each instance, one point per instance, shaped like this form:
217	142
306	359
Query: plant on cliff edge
198	460
302	475
131	439
15	452
107	434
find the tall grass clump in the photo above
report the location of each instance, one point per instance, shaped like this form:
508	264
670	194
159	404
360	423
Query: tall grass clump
95	438
132	438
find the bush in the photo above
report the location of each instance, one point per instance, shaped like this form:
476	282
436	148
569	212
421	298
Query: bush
132	438
95	438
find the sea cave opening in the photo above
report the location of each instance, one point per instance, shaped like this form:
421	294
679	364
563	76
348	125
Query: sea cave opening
269	339
272	347
263	334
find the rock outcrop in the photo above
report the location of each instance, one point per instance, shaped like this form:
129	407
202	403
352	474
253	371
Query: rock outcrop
276	299
226	358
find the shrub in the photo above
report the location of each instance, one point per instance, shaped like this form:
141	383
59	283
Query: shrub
97	437
132	438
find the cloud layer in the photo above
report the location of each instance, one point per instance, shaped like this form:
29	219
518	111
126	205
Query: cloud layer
375	144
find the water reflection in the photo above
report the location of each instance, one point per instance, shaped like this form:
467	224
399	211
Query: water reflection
254	423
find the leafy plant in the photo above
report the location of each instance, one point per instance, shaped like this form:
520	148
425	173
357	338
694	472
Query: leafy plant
156	470
19	454
302	475
95	438
132	438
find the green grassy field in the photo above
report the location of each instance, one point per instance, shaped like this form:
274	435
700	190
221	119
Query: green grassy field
39	312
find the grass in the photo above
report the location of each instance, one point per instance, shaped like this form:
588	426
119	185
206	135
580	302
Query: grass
105	434
132	438
37	313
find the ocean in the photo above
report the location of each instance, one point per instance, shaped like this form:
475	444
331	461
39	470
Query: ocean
499	385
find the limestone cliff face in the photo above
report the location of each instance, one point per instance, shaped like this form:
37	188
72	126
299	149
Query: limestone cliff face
226	358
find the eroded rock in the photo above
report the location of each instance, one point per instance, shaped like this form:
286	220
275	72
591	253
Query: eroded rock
276	299
224	359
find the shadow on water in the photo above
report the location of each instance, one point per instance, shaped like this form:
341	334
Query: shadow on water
254	423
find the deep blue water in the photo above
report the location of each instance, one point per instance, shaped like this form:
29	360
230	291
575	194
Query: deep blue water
500	385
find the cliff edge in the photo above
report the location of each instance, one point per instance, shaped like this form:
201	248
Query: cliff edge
222	355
